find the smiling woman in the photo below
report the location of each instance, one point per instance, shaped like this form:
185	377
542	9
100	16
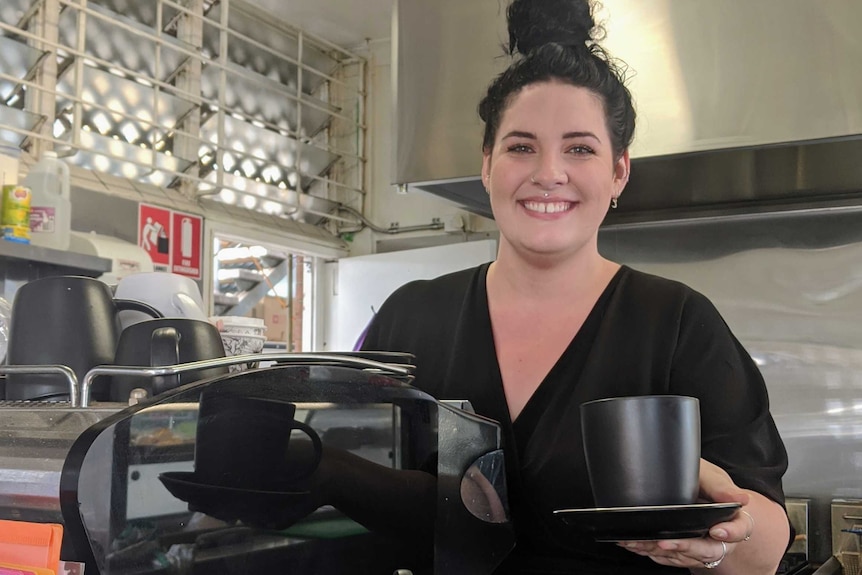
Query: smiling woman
551	171
551	324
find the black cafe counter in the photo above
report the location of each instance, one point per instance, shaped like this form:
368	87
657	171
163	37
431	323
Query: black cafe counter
102	472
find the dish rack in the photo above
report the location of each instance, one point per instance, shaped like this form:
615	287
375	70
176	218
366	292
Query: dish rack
79	392
847	534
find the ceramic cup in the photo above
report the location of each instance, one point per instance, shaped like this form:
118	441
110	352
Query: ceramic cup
246	443
167	341
240	336
642	451
172	294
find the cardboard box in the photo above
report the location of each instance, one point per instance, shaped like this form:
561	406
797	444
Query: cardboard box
272	313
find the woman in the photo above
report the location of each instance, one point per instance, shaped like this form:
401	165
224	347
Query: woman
551	324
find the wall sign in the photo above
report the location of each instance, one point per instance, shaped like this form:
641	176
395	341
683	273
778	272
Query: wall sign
172	239
186	249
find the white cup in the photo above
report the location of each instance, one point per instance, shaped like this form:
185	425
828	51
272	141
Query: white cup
240	336
239	324
172	294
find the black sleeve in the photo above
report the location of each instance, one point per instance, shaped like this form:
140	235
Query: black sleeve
737	430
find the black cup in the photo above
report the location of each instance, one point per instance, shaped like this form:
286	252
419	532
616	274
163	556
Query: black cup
64	320
245	443
167	341
642	451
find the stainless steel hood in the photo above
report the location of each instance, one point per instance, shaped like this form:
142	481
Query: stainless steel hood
742	105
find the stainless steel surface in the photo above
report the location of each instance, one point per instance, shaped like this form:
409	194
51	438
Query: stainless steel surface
788	286
136	371
63	370
705	75
34	440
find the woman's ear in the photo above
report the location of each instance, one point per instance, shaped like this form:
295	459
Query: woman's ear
486	171
622	169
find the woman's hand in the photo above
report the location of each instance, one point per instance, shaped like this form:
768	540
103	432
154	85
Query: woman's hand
729	546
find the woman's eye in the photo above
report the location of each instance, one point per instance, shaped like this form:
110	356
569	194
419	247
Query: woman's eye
520	148
580	149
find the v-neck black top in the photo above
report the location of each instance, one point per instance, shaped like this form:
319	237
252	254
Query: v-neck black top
645	335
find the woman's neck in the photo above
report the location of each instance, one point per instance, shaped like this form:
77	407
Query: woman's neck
539	279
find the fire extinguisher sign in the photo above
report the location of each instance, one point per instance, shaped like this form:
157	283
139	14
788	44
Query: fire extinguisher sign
186	255
173	239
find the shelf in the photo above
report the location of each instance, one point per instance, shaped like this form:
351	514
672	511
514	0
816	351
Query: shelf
83	263
107	155
16	59
109	42
265	99
131	99
255	150
249	56
298	206
15	118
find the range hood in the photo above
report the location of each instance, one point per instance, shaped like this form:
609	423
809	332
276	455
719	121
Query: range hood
742	106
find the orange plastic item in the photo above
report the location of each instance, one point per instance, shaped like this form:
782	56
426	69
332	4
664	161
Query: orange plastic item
9	569
32	544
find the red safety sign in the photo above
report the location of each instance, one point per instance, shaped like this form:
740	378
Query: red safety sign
154	234
186	255
172	239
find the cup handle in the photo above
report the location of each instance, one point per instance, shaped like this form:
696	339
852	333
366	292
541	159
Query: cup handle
185	306
132	305
315	441
165	350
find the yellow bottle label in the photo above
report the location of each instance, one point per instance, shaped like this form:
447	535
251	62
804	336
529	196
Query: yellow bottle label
15	217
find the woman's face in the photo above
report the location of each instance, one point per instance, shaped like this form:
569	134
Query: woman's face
551	174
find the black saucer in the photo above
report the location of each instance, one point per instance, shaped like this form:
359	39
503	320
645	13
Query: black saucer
271	509
648	523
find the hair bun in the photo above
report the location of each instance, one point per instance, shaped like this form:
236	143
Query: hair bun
533	23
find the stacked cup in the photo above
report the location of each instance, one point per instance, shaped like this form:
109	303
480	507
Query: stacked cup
240	336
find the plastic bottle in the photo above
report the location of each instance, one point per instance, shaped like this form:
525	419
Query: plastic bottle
50	205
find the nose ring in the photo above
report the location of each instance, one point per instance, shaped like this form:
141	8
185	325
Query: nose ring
533	179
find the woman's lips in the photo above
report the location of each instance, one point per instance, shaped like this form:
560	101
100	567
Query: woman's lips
547	207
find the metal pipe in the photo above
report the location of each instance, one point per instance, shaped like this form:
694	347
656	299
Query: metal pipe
63	370
434	225
303	358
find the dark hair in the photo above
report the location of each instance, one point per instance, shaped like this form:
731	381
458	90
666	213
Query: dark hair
557	41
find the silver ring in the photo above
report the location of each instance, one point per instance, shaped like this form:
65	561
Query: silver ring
533	179
750	531
717	562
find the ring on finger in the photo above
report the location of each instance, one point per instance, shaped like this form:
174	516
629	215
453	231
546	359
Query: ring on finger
717	562
751	529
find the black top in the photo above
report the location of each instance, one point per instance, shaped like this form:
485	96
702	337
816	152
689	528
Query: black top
645	335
